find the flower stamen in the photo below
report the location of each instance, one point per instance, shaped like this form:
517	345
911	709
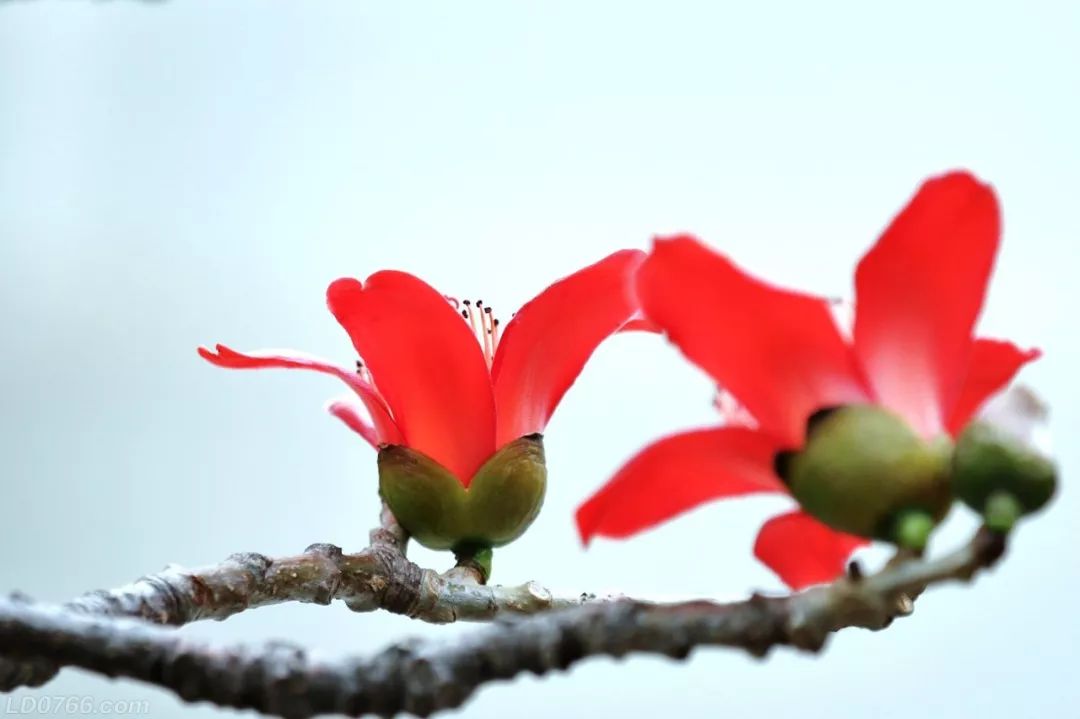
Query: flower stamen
364	372
484	326
489	347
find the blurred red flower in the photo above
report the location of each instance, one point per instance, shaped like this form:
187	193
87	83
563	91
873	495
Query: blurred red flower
782	355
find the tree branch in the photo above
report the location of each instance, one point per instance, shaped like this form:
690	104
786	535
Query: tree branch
379	577
425	677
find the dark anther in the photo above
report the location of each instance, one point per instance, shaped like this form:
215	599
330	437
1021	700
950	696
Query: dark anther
465	314
854	571
496	322
487	310
479	303
359	365
467	303
782	464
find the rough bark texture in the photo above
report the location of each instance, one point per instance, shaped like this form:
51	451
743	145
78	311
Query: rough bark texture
379	577
422	678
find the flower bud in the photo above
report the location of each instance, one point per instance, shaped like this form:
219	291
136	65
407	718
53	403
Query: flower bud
499	504
999	469
864	471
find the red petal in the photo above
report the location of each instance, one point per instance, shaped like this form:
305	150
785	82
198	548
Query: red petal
546	344
918	293
992	365
803	551
640	323
386	430
427	364
779	352
677	474
347	413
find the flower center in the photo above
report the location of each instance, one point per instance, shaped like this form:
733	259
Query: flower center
483	323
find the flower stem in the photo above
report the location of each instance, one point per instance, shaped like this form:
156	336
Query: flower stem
476	558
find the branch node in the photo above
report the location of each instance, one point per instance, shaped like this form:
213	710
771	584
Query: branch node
323	549
254	562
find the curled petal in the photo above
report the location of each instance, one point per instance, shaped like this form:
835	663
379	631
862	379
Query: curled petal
779	352
427	363
803	551
350	415
386	430
549	340
992	365
918	293
677	474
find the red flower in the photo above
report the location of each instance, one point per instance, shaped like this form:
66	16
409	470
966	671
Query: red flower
428	384
918	293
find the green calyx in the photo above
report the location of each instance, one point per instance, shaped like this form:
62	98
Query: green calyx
1000	475
865	472
502	500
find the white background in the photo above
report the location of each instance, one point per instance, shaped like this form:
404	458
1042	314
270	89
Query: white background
187	172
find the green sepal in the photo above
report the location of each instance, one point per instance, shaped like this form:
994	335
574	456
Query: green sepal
507	492
502	500
863	468
991	462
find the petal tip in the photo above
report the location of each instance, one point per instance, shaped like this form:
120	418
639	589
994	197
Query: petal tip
677	238
586	529
342	287
217	356
350	416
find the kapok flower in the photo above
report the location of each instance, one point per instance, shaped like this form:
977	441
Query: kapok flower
454	402
909	375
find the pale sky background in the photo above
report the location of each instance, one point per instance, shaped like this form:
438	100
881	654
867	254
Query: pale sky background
187	172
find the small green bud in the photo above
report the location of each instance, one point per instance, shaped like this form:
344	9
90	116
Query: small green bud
864	471
1002	512
912	529
500	503
998	468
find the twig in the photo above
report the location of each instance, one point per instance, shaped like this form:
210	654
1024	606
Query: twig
379	577
422	678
